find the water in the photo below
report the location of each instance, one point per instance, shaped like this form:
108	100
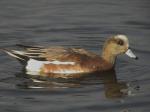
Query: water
76	23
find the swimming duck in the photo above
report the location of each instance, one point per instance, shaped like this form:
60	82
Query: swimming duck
62	62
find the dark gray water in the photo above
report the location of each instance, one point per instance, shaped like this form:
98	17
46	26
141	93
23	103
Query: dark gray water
76	23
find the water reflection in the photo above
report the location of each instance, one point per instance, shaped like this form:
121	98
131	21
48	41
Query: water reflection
112	87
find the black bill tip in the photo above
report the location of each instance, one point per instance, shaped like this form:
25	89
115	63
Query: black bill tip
136	58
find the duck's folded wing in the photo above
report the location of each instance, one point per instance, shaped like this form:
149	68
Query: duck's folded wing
41	53
67	54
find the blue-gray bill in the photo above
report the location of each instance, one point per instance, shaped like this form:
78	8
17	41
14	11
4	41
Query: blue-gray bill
131	54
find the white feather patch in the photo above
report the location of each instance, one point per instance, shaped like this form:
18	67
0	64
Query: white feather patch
13	55
67	71
124	38
34	66
19	52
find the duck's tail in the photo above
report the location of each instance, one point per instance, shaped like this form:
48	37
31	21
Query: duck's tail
30	52
19	55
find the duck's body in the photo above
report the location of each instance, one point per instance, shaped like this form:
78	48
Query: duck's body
61	61
74	60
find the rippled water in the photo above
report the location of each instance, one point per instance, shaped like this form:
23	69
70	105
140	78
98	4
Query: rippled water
76	23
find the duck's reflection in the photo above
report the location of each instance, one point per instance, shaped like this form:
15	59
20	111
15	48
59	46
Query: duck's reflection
112	87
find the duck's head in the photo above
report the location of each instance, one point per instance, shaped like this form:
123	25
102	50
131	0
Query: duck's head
116	45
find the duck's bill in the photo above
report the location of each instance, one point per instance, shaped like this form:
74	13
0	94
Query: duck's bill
131	54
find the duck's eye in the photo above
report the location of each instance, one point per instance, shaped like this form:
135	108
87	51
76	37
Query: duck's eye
120	42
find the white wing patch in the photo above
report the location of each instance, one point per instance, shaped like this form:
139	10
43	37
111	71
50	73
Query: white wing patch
34	66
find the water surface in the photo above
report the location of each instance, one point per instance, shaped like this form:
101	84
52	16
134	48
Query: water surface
76	23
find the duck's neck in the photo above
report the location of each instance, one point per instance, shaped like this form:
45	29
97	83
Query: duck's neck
108	56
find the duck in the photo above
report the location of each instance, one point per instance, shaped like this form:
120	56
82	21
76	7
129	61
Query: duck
59	61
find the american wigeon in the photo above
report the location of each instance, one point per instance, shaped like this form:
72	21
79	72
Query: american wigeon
62	62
